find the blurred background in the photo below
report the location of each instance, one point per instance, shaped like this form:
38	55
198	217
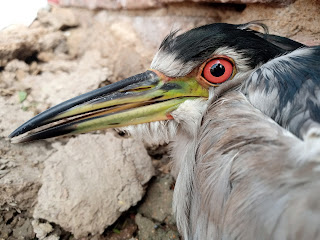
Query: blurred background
101	185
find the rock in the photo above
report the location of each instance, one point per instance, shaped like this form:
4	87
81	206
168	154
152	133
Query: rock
57	18
19	42
20	184
34	68
297	21
126	230
24	231
41	229
148	230
52	41
46	56
145	4
20	177
158	200
16	227
5	231
278	2
307	40
21	163
91	180
19	68
16	65
24	43
126	43
155	218
52	237
64	79
9	121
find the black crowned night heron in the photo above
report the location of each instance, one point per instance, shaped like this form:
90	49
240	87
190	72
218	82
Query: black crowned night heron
242	109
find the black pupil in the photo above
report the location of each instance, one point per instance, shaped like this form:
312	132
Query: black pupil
217	70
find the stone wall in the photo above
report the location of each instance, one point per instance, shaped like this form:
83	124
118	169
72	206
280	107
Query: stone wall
147	4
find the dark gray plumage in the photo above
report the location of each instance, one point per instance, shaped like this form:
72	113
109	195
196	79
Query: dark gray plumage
288	90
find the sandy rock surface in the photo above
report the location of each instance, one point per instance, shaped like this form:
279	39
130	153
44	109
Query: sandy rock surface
16	44
84	191
53	189
153	209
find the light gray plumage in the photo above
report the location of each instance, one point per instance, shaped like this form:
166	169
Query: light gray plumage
252	178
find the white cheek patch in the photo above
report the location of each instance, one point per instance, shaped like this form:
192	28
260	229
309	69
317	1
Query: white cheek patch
153	133
168	64
189	114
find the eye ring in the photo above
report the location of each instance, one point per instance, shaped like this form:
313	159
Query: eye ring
217	70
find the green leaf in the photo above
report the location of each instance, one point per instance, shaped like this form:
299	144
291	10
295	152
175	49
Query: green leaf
22	96
116	230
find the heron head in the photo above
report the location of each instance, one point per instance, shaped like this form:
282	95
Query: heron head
212	58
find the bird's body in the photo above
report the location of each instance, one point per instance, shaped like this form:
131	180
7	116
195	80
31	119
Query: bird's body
258	181
242	110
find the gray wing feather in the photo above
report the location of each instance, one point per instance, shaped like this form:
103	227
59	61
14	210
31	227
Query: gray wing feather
288	90
253	179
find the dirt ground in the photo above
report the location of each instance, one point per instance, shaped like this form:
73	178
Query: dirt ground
69	51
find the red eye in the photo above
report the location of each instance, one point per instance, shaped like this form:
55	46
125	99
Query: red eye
218	70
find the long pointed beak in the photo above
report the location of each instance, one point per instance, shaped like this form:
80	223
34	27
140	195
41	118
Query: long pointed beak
142	98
